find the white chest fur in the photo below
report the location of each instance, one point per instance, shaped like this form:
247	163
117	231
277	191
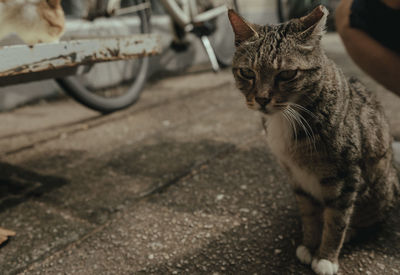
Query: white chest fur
280	142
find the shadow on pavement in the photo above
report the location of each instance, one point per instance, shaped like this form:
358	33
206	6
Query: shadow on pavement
235	193
165	157
270	229
18	184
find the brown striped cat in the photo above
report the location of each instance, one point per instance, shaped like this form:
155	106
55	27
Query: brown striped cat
328	132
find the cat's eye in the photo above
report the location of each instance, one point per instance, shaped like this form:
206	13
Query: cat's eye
287	75
247	73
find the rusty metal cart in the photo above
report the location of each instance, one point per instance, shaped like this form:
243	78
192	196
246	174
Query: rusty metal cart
23	63
73	62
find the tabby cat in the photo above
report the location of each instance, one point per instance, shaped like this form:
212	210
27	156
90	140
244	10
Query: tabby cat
328	132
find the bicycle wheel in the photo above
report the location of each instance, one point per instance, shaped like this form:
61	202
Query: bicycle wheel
111	86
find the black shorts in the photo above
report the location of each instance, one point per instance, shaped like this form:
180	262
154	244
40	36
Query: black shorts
378	20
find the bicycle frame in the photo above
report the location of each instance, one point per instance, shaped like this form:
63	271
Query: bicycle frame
185	13
114	7
189	15
185	16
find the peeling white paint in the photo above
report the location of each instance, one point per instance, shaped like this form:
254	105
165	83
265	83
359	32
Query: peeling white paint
21	59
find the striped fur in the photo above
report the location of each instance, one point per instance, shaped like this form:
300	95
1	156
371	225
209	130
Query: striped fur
328	131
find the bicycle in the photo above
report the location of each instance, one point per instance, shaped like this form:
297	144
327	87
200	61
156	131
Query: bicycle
190	16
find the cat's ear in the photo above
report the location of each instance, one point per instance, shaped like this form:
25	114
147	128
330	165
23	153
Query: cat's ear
242	29
314	24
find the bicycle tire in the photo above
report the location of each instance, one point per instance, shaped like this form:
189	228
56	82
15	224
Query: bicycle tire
76	88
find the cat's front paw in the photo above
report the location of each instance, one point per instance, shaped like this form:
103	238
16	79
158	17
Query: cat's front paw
303	254
324	267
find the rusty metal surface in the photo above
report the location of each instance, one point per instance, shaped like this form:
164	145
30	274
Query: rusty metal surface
37	76
23	59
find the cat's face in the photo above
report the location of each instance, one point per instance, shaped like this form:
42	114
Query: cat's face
276	65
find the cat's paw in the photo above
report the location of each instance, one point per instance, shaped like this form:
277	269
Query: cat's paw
324	267
303	254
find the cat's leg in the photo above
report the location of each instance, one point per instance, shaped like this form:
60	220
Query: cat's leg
310	212
351	233
339	196
333	235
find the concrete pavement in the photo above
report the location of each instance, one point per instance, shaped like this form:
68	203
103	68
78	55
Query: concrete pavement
181	183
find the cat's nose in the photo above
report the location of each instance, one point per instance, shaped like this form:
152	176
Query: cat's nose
263	101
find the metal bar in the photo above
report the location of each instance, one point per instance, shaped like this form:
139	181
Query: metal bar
176	12
37	76
210	14
101	27
132	9
23	59
193	9
186	6
210	52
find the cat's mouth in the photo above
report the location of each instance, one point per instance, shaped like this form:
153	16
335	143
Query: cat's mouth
277	107
265	111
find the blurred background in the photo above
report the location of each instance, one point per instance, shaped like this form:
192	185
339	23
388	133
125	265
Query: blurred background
169	62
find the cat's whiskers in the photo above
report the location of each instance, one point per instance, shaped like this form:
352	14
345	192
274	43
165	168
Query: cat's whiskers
280	106
303	109
310	128
298	121
290	119
308	98
305	121
305	126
